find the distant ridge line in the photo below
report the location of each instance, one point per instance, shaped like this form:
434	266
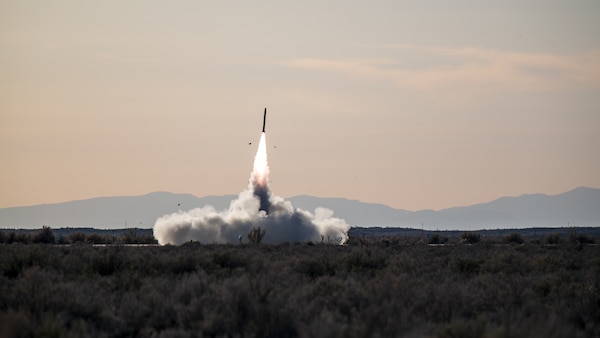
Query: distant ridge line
578	207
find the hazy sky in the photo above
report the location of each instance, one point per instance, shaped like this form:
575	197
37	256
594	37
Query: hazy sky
414	104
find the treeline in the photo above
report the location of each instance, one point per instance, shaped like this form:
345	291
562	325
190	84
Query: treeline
368	288
391	236
473	237
515	238
454	235
46	236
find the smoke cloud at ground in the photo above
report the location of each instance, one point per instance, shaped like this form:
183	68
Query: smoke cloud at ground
254	207
284	223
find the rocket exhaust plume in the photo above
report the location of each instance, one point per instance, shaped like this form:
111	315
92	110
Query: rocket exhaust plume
260	172
248	211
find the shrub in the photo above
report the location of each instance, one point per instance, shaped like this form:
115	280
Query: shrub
132	237
108	262
437	239
44	236
10	237
470	237
311	267
22	238
514	238
467	266
229	260
62	240
364	260
553	239
582	239
299	290
256	235
95	239
76	237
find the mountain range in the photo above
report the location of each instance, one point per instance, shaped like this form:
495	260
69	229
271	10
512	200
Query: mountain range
578	207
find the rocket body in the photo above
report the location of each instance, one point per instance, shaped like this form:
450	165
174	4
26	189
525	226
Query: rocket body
264	120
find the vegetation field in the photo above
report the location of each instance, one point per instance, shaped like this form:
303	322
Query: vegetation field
367	288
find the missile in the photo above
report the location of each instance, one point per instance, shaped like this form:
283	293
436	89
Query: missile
264	120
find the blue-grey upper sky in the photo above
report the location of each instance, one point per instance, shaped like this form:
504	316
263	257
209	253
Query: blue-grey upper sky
412	104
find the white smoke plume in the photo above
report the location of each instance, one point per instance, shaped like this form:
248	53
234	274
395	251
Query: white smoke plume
254	207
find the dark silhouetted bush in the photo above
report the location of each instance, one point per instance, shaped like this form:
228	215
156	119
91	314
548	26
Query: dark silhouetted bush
76	238
582	239
389	240
256	235
300	290
467	265
44	236
132	237
470	237
22	238
513	238
96	239
438	239
552	239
